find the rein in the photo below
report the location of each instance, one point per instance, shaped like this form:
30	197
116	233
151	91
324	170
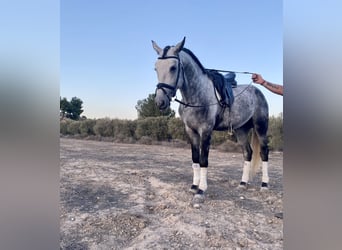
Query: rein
195	106
162	85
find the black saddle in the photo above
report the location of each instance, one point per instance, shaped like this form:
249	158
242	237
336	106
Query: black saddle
224	85
230	78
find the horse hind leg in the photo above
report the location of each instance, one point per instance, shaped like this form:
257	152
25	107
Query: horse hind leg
262	143
259	157
242	137
264	157
254	153
265	178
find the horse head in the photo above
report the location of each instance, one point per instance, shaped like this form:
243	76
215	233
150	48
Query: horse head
169	69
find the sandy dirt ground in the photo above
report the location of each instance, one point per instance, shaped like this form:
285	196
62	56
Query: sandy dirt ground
129	196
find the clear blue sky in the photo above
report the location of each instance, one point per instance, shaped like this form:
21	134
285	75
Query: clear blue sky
107	59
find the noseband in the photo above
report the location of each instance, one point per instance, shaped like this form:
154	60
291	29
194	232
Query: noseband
163	86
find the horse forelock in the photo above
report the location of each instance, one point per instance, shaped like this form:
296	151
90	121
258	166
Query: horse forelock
165	50
169	51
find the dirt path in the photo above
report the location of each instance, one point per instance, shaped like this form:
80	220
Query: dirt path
123	196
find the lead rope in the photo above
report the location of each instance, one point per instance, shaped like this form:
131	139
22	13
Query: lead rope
238	72
202	106
230	71
244	89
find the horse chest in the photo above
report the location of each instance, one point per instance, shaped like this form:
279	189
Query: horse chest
196	118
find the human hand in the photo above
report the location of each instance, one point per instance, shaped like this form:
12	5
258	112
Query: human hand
258	79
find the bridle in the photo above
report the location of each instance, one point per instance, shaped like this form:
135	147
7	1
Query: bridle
163	86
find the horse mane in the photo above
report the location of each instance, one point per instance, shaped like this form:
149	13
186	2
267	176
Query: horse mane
189	52
220	83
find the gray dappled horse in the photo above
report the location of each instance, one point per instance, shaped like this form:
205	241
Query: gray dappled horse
201	112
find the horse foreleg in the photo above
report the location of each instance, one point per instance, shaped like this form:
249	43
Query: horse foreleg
196	178
204	154
204	165
200	152
195	151
199	184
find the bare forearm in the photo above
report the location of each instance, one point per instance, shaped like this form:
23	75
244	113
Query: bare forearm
275	88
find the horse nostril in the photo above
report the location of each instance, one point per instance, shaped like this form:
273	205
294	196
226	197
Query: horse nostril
160	103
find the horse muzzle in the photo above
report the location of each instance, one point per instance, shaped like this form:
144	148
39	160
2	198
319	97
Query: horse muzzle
162	100
163	93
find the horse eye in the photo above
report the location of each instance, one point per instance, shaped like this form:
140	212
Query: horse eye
173	69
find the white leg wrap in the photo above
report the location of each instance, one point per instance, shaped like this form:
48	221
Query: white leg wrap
197	174
203	179
265	172
245	173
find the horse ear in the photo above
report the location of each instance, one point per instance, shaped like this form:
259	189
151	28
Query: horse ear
157	48
180	45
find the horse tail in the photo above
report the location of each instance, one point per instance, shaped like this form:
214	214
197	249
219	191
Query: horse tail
256	158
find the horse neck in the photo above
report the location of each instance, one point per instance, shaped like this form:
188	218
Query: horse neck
197	85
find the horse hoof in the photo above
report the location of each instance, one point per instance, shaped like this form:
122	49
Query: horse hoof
193	189
242	185
199	197
197	201
196	205
264	187
279	215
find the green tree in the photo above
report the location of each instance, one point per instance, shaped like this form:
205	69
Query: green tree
147	108
72	109
64	106
76	108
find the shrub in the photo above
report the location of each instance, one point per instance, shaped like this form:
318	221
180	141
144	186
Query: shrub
103	127
219	137
176	129
146	140
73	128
229	146
154	127
63	126
124	130
275	133
87	127
162	128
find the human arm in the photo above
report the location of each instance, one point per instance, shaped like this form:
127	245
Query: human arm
275	88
